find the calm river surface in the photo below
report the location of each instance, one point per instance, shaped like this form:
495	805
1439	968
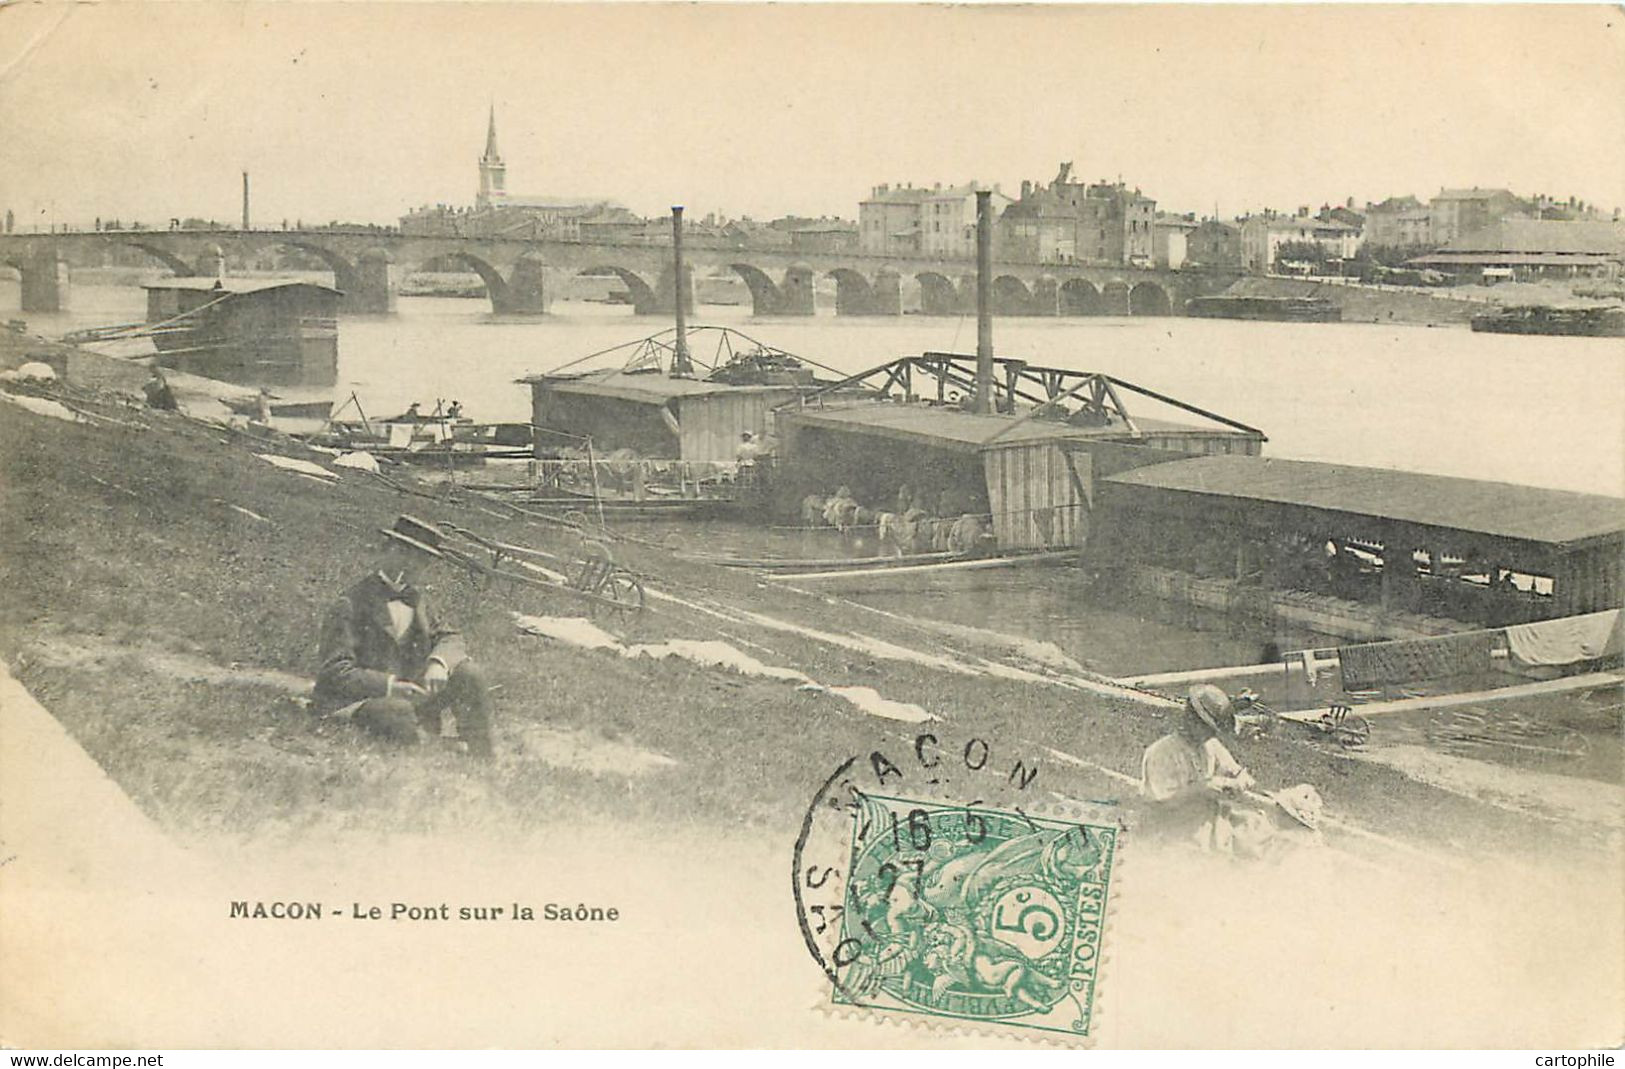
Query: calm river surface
1541	411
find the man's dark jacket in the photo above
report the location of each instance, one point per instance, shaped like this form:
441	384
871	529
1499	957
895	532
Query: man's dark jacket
359	651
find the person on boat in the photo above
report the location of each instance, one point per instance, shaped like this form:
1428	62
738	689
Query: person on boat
262	407
387	664
159	395
411	415
1187	775
455	411
747	455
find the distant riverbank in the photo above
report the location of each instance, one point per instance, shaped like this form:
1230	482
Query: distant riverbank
1441	307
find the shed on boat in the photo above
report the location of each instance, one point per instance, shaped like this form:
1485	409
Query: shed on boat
261	332
652	414
1030	466
1433	545
650	407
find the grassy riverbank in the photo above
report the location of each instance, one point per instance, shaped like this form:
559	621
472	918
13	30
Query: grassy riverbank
161	586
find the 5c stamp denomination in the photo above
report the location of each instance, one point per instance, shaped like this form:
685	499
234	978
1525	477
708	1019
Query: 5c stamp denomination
978	914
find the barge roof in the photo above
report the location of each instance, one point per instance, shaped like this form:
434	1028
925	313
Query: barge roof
945	426
648	387
1499	510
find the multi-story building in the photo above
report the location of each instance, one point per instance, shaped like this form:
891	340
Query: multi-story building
1171	239
915	221
1213	244
1455	212
1263	235
1073	222
825	235
1399	222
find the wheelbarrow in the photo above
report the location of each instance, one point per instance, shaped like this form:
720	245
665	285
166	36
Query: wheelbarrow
593	575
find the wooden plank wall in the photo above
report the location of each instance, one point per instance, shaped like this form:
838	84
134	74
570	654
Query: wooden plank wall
1033	498
712	424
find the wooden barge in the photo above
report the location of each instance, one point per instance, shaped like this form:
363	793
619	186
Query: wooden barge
1358	552
1277	309
665	420
255	332
1174	502
1602	321
1030	466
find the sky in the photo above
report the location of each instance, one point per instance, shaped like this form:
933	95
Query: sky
362	111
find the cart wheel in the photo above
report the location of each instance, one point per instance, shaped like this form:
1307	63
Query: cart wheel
576	518
1352	732
624	589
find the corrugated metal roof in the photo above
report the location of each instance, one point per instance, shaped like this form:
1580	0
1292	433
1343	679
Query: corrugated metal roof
648	387
939	425
1543	235
233	285
1502	510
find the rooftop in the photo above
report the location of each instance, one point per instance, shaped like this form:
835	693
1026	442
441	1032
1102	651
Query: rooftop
1543	235
1501	510
920	194
1472	194
646	387
954	428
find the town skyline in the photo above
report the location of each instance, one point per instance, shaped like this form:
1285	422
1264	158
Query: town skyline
374	117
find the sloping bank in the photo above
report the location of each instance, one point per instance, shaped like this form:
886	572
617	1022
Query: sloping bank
1368	304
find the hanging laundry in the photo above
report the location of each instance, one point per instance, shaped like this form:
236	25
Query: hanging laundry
1566	640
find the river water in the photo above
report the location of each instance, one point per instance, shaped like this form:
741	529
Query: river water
1540	411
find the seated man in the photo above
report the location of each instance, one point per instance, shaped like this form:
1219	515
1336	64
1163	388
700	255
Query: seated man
1186	773
159	395
387	664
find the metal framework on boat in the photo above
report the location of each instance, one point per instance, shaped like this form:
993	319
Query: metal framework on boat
1024	390
659	352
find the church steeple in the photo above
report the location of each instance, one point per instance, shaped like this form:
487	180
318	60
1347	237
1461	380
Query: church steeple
492	172
491	153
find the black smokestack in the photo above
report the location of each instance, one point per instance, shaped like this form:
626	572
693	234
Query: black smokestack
984	301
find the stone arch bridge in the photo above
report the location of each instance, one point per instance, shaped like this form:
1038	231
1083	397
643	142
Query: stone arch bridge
520	275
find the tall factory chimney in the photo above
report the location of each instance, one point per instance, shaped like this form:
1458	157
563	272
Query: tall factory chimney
245	200
984	301
680	362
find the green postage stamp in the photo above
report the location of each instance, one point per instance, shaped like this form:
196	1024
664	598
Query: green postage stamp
975	915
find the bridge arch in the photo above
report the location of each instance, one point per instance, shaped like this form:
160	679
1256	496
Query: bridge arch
938	295
345	275
1149	299
165	257
643	296
496	287
1114	298
1011	297
765	297
1079	298
853	294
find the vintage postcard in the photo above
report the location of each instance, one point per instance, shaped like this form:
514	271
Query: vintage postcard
811	525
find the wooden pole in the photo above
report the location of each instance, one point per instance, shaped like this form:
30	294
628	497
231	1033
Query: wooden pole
597	495
984	301
680	362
